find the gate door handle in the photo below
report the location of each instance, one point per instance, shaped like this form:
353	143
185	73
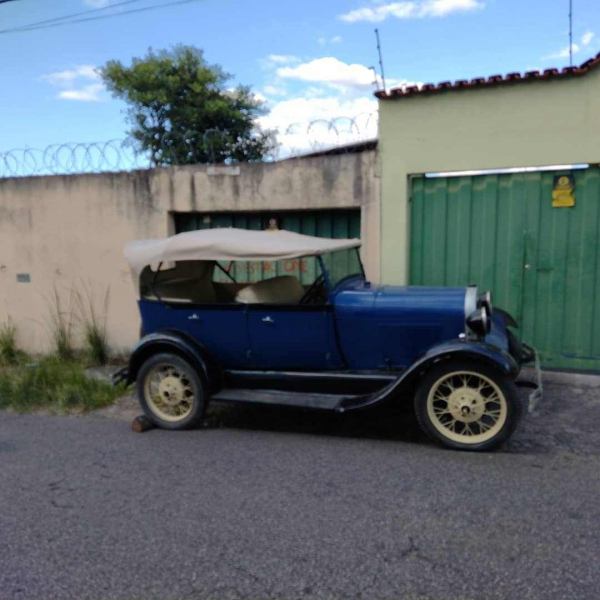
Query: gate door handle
268	320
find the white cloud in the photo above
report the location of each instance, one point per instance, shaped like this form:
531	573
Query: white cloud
332	72
411	9
259	97
323	41
79	83
313	91
307	124
587	37
272	90
87	93
564	53
274	60
96	3
70	75
337	74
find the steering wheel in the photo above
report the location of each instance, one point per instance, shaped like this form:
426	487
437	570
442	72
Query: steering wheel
315	291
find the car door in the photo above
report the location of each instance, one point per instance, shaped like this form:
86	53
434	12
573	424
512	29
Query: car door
292	337
220	328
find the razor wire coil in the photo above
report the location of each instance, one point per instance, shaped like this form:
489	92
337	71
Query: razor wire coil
72	158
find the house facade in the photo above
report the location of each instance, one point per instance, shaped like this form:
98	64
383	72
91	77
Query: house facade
442	224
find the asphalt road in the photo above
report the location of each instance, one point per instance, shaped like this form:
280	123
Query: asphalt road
285	505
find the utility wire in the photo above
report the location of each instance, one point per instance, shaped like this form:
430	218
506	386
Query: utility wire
65	17
3	1
45	25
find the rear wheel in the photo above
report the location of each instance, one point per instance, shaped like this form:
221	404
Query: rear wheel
466	405
170	392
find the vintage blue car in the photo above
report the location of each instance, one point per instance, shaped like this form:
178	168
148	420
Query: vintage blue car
227	317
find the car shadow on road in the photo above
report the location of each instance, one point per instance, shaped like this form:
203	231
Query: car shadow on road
393	423
567	421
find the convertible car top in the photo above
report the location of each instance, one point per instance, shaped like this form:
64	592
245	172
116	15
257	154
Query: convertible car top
230	244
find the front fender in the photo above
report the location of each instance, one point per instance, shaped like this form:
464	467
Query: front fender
178	343
490	355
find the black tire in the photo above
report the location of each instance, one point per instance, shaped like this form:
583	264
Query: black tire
439	428
195	392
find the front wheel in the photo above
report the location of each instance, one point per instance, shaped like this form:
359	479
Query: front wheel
171	392
466	405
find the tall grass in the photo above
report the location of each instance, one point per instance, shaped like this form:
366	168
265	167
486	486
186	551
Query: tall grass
60	323
93	323
9	353
53	384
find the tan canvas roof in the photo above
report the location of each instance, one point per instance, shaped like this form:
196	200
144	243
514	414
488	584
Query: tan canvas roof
230	244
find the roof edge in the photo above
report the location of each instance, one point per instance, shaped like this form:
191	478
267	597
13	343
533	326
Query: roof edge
491	81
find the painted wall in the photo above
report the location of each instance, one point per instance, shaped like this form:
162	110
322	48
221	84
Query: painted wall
521	125
68	232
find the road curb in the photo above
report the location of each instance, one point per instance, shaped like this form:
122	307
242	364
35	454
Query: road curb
565	378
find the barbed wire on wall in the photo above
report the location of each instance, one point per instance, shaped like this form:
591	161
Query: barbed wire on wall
293	140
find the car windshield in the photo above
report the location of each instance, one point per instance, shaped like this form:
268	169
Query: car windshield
342	264
339	265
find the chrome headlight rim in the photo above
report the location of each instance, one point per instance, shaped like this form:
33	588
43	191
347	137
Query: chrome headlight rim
479	322
485	300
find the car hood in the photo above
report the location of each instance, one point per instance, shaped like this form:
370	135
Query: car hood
411	302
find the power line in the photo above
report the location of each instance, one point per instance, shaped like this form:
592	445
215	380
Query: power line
63	21
3	1
66	17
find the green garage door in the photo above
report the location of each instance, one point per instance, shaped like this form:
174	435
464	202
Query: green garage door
320	223
541	262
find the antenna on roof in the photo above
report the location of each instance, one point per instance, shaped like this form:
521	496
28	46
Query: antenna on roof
380	59
571	33
375	76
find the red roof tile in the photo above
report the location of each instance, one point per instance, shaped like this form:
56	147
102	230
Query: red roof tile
493	80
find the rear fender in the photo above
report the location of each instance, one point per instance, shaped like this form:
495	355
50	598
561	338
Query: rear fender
181	344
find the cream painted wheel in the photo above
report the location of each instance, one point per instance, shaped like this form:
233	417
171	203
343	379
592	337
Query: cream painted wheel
466	407
170	392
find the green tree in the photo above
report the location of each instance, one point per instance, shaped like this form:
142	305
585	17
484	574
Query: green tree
182	110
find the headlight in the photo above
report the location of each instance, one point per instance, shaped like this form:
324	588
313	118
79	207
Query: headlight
485	300
479	322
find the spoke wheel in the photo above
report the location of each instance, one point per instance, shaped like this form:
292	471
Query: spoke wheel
467	407
171	392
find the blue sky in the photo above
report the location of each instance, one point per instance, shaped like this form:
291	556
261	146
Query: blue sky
309	60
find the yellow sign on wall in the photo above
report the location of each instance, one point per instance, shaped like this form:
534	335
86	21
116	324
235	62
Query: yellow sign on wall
562	191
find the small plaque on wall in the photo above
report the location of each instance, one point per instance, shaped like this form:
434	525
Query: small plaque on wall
23	278
563	191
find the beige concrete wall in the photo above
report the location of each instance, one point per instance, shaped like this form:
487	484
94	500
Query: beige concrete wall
521	125
69	231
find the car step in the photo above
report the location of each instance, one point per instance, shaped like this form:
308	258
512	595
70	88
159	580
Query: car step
279	398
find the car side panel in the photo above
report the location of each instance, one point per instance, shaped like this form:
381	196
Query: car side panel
293	337
222	329
389	327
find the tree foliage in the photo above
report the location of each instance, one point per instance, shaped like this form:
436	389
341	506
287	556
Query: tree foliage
182	110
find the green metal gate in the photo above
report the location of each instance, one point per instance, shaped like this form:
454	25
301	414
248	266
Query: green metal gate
320	223
502	233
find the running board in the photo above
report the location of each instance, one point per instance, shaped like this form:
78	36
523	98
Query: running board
280	398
